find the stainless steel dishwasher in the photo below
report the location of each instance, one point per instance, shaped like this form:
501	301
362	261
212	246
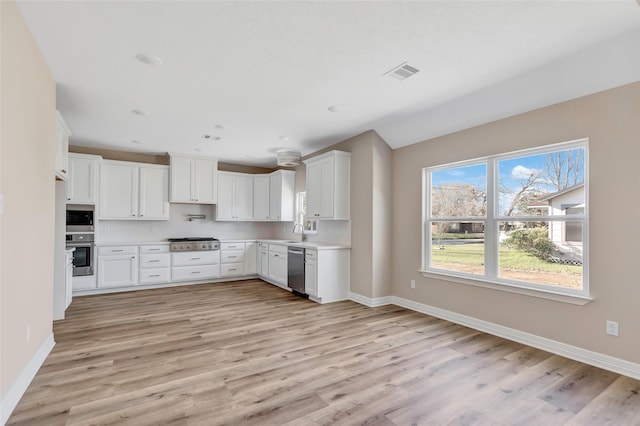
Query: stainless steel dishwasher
295	269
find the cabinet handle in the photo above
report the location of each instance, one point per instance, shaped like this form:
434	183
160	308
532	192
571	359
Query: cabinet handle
232	257
195	258
114	251
133	215
154	249
154	275
232	269
154	261
195	272
63	171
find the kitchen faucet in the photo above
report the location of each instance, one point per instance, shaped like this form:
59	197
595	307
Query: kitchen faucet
303	236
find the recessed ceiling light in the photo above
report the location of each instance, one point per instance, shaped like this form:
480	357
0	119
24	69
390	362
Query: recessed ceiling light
141	112
220	126
148	59
283	138
197	150
206	136
336	108
137	142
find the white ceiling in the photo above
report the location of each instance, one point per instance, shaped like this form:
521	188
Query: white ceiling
270	69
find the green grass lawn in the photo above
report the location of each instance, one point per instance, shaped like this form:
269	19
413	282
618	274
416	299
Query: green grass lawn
473	255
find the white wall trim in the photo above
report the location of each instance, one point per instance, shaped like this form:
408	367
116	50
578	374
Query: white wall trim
586	356
16	391
370	302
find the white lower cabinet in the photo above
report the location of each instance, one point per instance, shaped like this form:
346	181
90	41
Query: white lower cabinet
263	260
117	266
326	274
278	264
155	264
251	259
232	259
195	265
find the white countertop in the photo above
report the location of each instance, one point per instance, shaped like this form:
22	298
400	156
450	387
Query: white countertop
318	245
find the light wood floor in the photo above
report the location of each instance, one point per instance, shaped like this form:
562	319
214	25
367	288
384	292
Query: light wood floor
249	353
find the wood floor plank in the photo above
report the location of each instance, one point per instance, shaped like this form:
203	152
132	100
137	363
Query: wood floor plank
246	352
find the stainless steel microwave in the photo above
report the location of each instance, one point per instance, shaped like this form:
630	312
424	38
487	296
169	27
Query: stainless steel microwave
80	218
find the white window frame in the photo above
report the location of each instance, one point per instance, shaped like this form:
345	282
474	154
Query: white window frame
491	278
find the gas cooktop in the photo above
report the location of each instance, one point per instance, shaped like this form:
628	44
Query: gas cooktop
194	244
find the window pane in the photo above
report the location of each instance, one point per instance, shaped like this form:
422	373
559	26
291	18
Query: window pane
548	184
458	246
459	191
548	253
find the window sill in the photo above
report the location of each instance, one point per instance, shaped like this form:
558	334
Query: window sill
510	288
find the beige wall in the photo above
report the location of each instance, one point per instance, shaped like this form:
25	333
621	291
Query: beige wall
370	212
27	183
611	120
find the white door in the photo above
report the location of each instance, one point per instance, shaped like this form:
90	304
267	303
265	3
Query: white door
310	277
251	259
224	208
118	191
243	197
261	198
275	194
81	185
326	188
117	271
206	181
182	179
154	193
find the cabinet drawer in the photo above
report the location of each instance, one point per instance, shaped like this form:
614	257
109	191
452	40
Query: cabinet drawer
148	276
195	258
117	250
232	256
277	248
192	273
311	254
231	246
161	260
231	269
154	249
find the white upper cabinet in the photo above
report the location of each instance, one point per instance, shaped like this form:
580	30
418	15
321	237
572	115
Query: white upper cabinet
235	196
273	196
62	147
328	185
194	180
261	197
133	191
82	184
282	196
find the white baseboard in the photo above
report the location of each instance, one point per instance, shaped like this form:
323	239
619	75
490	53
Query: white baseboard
14	394
596	359
370	302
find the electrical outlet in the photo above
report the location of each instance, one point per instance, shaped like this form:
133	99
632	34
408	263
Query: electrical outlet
612	328
413	284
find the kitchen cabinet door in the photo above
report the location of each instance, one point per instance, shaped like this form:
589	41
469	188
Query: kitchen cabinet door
263	271
251	259
261	197
282	195
206	181
62	147
82	182
194	180
117	271
310	276
154	193
328	185
118	191
235	197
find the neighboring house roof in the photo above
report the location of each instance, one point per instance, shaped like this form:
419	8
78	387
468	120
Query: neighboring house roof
551	196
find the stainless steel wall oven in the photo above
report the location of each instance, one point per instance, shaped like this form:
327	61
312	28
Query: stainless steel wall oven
83	256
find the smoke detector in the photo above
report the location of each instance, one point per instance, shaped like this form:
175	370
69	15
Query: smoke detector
288	158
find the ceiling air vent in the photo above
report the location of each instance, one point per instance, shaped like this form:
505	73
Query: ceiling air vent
287	158
402	71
